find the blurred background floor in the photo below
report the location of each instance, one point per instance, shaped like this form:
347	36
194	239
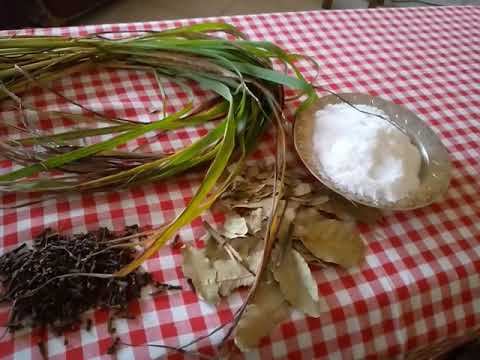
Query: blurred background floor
42	13
146	10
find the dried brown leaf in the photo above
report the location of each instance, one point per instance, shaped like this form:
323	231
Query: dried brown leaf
307	254
242	245
305	217
213	251
267	309
232	275
227	246
317	200
285	230
245	245
349	211
254	220
235	226
301	189
333	241
264	204
198	268
287	220
297	284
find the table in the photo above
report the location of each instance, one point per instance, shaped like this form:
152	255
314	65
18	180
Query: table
419	287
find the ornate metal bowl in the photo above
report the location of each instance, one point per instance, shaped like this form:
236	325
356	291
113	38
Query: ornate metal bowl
435	170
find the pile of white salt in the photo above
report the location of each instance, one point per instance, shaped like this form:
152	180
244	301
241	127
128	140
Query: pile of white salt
364	154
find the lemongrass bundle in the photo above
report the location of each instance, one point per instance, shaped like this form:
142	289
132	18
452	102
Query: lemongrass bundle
250	93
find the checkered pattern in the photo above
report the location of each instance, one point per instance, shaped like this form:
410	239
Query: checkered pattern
420	283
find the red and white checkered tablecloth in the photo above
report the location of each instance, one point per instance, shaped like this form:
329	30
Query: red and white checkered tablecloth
420	283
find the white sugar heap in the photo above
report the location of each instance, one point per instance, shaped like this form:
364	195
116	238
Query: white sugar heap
365	154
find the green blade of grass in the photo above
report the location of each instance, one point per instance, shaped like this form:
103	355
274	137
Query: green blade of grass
193	209
200	118
59	160
172	160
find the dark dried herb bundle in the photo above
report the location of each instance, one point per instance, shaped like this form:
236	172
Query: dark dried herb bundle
59	277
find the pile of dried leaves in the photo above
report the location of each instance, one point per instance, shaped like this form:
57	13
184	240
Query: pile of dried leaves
51	283
317	227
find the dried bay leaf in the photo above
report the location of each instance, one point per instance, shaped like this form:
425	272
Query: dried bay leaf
229	246
306	216
232	275
346	210
267	309
333	241
285	231
307	255
317	200
235	226
198	268
362	213
213	251
254	220
264	204
288	217
244	245
301	189
297	284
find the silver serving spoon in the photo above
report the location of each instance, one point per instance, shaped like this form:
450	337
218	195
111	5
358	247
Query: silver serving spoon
436	168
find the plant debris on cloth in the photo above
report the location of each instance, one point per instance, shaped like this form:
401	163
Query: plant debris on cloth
317	227
242	83
51	283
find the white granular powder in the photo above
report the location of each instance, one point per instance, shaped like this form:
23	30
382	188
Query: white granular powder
365	154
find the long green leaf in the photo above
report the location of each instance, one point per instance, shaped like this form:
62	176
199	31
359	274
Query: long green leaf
59	160
193	209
